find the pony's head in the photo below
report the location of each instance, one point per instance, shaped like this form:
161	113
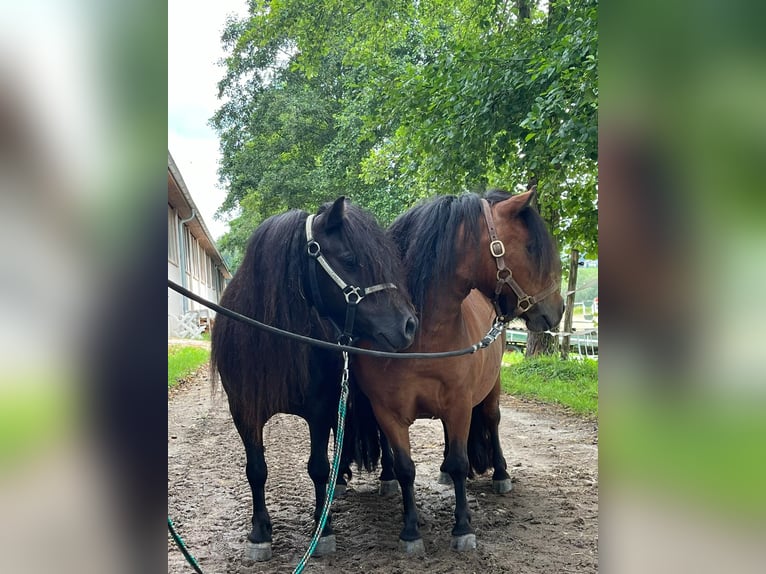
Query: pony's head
530	258
360	255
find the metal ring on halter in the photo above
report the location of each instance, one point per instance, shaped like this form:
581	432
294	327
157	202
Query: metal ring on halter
504	274
313	248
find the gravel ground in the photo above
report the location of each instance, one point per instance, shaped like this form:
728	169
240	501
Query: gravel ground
547	523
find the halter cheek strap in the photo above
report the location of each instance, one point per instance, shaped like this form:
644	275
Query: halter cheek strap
352	294
505	276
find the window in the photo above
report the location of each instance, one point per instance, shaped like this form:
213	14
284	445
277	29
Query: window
172	235
203	271
187	250
195	257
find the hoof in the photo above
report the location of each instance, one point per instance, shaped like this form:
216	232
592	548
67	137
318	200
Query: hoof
325	546
412	546
340	490
463	543
259	551
502	486
445	478
389	487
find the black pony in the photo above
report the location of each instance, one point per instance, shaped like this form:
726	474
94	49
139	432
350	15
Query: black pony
280	282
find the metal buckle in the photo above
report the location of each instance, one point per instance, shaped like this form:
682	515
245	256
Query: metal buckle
497	248
313	248
353	295
526	300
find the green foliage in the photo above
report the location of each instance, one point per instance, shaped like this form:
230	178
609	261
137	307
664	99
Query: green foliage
389	102
183	361
573	383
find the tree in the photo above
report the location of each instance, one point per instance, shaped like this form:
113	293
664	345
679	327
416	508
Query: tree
392	101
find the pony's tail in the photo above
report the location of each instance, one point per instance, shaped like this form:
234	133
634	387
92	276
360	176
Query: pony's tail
479	443
362	441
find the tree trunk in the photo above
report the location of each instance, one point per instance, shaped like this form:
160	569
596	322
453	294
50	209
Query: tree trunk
540	344
574	258
525	9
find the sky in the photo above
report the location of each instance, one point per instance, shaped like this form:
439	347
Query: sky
194	47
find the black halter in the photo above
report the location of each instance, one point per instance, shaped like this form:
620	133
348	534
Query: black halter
505	276
352	293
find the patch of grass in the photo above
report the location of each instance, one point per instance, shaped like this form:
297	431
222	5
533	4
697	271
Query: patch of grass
512	357
183	361
32	418
703	450
573	383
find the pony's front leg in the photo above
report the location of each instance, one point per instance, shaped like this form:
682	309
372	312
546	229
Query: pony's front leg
388	483
319	471
259	539
456	465
398	436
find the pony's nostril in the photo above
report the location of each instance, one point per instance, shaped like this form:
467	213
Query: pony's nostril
410	327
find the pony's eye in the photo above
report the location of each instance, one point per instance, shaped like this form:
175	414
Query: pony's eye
348	259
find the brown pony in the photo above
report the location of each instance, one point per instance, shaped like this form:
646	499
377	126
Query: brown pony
467	259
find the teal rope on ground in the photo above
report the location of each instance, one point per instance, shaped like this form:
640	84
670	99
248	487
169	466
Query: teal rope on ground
180	543
338	446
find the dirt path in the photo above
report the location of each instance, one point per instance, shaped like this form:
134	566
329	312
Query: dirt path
548	523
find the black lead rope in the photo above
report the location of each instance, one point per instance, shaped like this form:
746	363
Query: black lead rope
494	332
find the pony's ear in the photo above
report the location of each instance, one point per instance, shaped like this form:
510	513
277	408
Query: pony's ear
513	205
336	213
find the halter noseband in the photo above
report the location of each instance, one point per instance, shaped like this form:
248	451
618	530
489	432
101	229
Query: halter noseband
353	294
505	276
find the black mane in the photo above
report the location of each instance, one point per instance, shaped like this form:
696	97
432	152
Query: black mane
271	372
426	237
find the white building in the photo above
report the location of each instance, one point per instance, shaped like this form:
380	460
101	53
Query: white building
191	248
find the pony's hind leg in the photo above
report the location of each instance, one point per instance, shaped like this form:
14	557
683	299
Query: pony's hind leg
388	483
445	478
319	471
259	539
344	472
501	480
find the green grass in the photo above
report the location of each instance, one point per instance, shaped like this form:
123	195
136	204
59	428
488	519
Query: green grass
572	384
32	418
704	451
183	361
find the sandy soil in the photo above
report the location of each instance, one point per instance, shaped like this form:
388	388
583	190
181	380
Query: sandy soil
547	523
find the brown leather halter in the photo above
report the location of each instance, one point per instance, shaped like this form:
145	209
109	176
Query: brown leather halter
505	276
